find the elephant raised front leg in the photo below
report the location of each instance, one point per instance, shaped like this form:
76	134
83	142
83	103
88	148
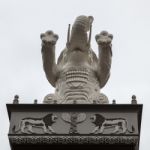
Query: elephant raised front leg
49	40
105	54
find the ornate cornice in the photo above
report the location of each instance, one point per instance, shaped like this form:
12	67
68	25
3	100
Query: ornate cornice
66	139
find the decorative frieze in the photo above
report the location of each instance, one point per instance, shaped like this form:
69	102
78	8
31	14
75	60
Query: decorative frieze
65	139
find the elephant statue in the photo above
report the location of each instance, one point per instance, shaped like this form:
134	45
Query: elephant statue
78	74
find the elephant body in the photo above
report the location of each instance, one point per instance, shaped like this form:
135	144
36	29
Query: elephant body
78	75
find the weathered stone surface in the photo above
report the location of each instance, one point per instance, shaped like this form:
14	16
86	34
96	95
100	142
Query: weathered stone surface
78	75
74	119
81	140
51	125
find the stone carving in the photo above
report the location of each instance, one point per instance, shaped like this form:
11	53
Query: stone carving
26	124
74	139
79	74
118	125
73	119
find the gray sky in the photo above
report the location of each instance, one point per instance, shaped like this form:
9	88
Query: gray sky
22	21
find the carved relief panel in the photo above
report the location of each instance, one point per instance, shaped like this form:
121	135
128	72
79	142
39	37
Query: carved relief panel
74	121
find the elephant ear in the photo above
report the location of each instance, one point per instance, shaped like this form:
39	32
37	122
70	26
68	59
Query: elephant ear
81	117
66	117
91	19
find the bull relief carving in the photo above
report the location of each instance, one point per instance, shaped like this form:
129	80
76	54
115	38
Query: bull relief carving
27	124
78	74
117	125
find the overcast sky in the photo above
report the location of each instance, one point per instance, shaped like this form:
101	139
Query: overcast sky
22	21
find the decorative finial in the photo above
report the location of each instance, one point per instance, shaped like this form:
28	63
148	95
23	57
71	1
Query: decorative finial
134	101
35	101
113	101
16	99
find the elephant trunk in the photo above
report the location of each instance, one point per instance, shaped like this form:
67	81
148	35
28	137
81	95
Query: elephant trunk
79	37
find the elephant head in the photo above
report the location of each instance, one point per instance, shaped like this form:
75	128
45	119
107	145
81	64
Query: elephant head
79	38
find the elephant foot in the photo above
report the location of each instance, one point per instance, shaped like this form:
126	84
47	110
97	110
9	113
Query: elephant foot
49	38
104	38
